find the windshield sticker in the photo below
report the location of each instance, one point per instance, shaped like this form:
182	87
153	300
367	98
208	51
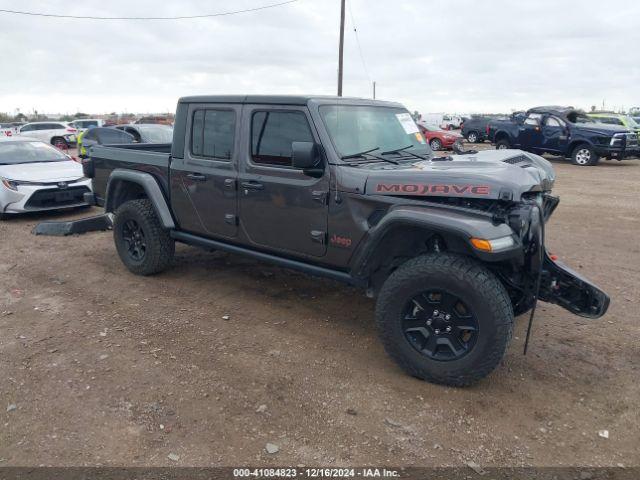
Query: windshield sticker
407	123
419	137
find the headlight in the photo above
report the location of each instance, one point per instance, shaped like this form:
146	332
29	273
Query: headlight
10	184
616	140
495	245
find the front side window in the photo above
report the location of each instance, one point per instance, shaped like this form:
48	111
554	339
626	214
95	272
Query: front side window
272	134
213	133
553	122
533	119
26	128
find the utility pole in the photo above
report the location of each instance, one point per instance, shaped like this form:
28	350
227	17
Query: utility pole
341	48
374	89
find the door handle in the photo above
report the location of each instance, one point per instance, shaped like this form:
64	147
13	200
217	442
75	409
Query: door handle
197	177
252	185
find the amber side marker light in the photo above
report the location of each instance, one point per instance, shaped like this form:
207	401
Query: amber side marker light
481	244
496	245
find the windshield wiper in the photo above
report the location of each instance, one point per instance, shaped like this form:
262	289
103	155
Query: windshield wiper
359	154
368	153
404	150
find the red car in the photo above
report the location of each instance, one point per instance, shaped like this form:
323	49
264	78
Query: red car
439	139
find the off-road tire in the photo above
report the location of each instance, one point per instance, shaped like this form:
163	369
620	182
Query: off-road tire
470	281
160	247
584	155
435	145
473	137
502	144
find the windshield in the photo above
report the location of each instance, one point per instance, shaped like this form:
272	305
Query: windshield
631	122
362	129
12	153
156	133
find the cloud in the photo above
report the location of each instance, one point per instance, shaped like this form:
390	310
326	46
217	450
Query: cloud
454	56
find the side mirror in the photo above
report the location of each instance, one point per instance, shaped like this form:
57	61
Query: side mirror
305	155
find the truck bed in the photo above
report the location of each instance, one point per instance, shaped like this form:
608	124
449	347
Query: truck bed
151	158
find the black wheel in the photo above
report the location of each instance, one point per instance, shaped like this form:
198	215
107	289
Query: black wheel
444	318
503	144
435	144
60	143
584	155
143	245
472	137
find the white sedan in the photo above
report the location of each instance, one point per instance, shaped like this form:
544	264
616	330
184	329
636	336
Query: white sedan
35	176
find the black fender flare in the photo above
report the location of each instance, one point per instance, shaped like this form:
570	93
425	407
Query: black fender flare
461	225
151	188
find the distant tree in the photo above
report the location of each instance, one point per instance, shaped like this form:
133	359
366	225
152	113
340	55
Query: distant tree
20	117
5	117
80	115
593	108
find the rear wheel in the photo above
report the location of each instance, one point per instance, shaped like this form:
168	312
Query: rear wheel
503	144
472	137
143	245
584	155
444	318
60	143
435	144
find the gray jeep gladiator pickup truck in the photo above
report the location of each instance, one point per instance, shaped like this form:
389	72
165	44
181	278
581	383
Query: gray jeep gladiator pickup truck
349	189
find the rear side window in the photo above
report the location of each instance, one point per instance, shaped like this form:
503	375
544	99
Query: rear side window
213	133
272	134
114	136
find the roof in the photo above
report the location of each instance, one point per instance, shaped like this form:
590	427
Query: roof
551	109
279	99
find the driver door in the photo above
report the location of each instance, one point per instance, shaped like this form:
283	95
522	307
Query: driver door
281	207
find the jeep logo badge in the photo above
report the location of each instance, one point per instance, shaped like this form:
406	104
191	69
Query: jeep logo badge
63	184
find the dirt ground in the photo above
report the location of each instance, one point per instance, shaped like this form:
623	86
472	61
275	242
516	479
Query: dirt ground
210	361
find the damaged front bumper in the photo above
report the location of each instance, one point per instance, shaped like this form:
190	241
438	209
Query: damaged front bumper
563	286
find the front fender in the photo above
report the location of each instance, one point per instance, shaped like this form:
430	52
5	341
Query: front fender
151	188
451	224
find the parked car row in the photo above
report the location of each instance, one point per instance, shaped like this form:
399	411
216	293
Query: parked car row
36	176
567	132
123	134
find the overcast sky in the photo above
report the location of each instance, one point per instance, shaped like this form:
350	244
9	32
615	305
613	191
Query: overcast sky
461	56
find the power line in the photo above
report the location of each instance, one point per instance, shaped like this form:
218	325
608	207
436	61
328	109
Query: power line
355	32
183	17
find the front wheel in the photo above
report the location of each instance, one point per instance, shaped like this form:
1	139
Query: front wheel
472	137
143	245
503	144
435	144
584	155
444	318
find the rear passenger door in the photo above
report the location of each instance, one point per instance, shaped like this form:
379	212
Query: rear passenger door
203	183
281	208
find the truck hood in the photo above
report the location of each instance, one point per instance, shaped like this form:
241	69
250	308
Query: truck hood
490	174
42	172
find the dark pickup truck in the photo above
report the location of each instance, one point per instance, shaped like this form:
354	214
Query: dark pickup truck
475	129
564	131
349	189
